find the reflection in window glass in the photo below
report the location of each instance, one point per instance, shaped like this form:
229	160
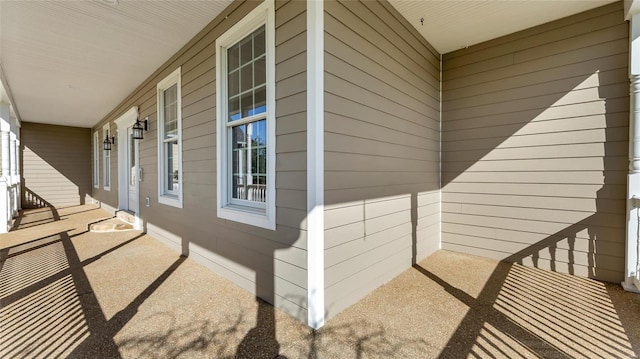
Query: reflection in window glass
171	112
132	161
249	161
246	92
172	166
246	77
169	132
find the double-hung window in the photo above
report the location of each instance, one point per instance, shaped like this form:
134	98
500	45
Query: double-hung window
170	140
106	160
96	159
245	96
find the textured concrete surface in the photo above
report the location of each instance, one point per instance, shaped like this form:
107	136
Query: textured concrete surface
110	225
67	292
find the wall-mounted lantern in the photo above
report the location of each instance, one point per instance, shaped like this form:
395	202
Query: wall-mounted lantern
108	141
138	128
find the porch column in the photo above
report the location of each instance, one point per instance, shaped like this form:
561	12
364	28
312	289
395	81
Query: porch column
13	150
13	199
632	258
18	174
5	174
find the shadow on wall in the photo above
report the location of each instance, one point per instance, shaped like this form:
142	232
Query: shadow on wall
55	164
536	175
540	180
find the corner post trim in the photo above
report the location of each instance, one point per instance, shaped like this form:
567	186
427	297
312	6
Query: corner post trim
315	163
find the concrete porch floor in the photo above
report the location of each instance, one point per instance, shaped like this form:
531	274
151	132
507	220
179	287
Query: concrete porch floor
66	292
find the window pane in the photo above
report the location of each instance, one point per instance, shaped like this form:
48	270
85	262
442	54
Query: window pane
249	161
107	168
233	57
234	109
132	161
171	112
259	133
246	104
246	78
239	160
260	101
258	42
247	97
260	70
172	166
234	83
246	50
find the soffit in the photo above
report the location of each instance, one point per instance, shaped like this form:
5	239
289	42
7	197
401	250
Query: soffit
71	62
450	25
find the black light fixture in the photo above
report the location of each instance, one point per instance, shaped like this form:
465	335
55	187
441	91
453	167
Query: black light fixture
138	128
108	141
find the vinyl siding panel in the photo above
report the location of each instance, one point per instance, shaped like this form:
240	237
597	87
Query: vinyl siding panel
56	165
534	146
381	148
271	264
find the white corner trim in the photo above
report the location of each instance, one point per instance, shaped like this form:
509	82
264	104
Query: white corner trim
315	164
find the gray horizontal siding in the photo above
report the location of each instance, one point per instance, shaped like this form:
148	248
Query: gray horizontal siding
56	163
535	143
381	148
271	264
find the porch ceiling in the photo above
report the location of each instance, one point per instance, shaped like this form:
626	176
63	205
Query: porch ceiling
70	63
450	25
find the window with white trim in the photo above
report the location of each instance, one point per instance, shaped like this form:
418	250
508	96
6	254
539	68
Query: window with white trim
96	159
245	69
170	140
106	161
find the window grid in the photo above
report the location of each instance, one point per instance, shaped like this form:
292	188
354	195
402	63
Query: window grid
169	141
246	77
246	92
106	163
96	160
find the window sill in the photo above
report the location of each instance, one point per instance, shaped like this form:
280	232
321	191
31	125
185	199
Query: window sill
247	215
173	201
107	188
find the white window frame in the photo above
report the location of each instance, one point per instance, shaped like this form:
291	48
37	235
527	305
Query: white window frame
106	161
164	197
96	159
263	14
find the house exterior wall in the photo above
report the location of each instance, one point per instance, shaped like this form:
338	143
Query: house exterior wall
535	146
381	148
55	162
271	264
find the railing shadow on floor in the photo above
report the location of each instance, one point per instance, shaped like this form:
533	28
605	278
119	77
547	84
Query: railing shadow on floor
53	280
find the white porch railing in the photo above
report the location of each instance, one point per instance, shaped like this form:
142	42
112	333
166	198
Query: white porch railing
252	192
10	184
